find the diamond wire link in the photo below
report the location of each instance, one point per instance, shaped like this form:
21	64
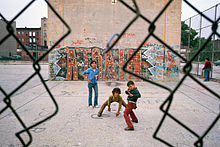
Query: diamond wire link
9	101
37	69
187	68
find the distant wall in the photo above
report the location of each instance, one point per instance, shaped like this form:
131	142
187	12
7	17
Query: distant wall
93	22
8	47
69	63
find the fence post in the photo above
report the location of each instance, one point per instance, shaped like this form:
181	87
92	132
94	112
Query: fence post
189	37
200	28
213	42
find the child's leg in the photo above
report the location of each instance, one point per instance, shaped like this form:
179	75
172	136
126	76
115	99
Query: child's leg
90	93
96	94
123	103
103	107
208	75
127	111
133	117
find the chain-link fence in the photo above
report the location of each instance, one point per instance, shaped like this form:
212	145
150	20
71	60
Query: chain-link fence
167	104
36	66
195	32
186	69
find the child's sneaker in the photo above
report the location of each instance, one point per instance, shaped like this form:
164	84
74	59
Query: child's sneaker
136	121
96	106
129	129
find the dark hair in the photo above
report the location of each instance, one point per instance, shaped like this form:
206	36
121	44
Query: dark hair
118	90
92	62
207	59
130	83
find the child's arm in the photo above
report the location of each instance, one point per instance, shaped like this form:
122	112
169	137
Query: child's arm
129	93
97	74
119	106
109	103
84	73
86	78
135	93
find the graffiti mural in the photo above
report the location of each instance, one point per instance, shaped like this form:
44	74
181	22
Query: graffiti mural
152	62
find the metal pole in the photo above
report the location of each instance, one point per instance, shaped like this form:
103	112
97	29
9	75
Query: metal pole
199	43
164	50
63	23
213	43
189	39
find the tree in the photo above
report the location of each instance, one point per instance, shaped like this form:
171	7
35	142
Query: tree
185	31
194	42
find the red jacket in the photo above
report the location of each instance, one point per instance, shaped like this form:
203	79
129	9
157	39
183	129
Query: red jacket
207	65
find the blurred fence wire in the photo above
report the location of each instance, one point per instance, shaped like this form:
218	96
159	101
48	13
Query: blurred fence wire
36	66
186	69
212	22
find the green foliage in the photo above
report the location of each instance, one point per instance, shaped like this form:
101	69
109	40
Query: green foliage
193	43
185	31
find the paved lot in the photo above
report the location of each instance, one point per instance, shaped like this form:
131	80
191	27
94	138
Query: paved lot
77	125
197	69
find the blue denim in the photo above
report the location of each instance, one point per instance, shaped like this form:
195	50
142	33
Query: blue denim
207	74
91	74
95	87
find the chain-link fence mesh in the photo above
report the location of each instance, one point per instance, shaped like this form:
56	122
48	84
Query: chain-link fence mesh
196	31
187	68
36	66
165	107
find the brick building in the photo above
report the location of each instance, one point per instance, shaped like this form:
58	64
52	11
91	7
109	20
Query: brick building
44	32
30	37
34	39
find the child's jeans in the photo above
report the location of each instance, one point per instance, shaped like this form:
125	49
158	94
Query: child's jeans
95	87
207	74
128	110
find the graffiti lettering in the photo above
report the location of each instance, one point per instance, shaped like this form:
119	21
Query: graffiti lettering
97	56
149	62
109	67
72	68
77	42
121	65
129	35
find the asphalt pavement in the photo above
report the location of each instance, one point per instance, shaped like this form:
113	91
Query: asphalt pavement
77	125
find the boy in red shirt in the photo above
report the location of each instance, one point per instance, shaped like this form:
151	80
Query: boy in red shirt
207	67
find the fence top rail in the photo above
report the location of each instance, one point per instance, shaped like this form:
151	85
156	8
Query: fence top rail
202	12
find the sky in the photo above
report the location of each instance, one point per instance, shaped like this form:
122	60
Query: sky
32	16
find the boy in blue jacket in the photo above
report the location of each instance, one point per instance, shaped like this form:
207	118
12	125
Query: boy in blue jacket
133	95
92	73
